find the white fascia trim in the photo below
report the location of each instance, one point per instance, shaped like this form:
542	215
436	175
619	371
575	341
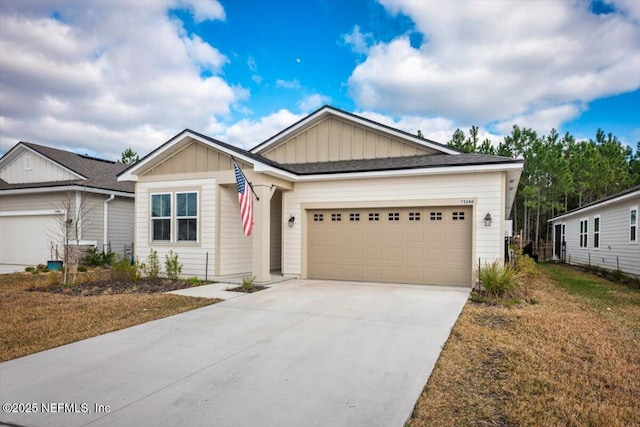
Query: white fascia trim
389	173
131	175
596	206
65	188
84	242
353	118
35	212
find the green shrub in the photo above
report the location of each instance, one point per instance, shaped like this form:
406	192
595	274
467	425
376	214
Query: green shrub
32	270
172	265
122	270
194	281
82	269
95	258
498	279
151	268
247	282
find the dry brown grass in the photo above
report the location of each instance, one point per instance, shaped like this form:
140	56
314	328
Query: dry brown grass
568	360
36	321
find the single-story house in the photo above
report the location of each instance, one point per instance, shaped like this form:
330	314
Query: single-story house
46	194
604	233
337	196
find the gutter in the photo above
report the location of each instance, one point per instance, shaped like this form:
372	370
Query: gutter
105	233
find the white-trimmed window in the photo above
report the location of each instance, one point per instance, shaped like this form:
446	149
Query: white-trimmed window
584	230
161	217
633	225
596	232
174	217
187	216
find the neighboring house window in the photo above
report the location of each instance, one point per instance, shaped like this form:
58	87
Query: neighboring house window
633	225
27	163
584	228
596	232
187	216
161	217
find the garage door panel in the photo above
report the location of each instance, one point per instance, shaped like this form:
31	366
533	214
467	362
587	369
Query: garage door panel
425	245
27	240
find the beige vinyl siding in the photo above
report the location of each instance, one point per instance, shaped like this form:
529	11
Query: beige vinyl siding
191	255
120	225
614	238
277	222
335	139
192	156
42	170
486	190
235	247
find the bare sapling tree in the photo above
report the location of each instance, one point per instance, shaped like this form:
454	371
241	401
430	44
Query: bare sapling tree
75	215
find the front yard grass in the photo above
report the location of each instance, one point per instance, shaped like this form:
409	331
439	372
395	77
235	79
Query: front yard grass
33	321
570	359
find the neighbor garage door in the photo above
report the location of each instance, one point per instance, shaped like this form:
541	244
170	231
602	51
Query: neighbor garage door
404	245
26	240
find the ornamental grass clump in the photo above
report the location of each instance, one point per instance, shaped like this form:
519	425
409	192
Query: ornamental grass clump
498	279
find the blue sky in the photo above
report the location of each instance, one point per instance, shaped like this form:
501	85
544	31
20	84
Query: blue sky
97	77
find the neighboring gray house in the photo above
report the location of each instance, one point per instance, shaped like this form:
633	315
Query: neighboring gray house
42	187
604	233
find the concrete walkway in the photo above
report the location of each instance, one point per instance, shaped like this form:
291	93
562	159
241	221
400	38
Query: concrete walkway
312	353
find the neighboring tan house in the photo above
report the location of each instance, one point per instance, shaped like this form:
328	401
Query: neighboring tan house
340	197
604	233
43	189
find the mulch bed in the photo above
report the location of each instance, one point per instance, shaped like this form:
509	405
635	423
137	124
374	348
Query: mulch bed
247	289
108	287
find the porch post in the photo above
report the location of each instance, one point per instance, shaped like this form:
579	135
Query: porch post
261	233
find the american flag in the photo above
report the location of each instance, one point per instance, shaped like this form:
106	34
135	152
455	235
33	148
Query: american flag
246	200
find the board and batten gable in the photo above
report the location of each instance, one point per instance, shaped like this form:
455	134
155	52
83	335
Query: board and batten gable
483	191
189	157
30	167
615	247
333	139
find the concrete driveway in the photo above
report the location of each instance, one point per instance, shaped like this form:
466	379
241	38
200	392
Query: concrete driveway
312	353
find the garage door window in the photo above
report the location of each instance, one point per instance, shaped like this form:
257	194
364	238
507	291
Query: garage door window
354	217
374	216
318	217
336	217
394	216
414	216
458	216
435	216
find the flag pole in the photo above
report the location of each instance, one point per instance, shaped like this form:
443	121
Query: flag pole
245	178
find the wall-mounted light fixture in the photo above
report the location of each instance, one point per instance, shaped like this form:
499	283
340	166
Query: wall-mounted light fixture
292	219
487	220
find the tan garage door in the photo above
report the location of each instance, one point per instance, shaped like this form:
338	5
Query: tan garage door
26	240
403	245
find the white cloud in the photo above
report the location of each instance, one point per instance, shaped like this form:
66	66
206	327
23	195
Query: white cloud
288	84
105	76
358	41
313	102
249	133
543	120
485	61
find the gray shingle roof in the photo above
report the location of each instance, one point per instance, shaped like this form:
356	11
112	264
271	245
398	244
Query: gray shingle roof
99	174
395	163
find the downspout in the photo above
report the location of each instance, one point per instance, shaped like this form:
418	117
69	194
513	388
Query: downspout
105	233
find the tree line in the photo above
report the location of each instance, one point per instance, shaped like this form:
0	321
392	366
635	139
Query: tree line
560	173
